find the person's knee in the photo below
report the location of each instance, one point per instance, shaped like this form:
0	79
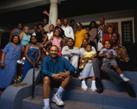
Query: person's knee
115	67
46	80
105	69
75	59
68	76
95	60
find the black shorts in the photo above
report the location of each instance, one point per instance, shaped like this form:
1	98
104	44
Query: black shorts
53	83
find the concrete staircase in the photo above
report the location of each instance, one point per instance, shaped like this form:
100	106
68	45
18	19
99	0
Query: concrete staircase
75	98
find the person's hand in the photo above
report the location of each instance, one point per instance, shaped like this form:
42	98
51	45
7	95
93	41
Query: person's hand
41	45
36	65
45	12
64	74
57	77
2	65
109	55
70	53
33	64
104	53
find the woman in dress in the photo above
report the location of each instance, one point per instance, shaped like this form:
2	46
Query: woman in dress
8	66
32	54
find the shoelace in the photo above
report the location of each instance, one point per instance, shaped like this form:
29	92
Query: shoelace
59	97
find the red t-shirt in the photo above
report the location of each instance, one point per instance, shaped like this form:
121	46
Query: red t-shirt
106	37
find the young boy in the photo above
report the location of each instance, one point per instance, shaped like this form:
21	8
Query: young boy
109	59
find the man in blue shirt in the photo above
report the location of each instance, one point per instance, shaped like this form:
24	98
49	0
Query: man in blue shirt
55	68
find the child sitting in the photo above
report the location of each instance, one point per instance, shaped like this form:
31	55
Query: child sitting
109	59
87	68
87	56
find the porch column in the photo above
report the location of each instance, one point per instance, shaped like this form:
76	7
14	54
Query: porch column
53	13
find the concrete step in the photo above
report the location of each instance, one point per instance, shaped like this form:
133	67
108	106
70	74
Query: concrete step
37	103
75	83
132	75
76	97
108	84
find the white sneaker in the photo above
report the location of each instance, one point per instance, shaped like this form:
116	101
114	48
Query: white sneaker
57	99
19	61
84	86
124	78
93	86
46	107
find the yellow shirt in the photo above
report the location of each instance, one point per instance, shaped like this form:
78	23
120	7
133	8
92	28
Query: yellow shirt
80	35
89	54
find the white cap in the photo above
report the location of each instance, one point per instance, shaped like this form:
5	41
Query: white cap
33	34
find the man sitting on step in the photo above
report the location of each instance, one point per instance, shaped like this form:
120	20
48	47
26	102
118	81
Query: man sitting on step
55	69
71	53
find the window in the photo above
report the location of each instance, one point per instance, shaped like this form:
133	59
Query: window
127	32
125	28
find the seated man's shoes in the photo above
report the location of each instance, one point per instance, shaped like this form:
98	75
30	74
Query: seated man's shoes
57	99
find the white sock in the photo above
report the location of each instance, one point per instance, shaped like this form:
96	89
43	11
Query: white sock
46	101
124	77
60	91
93	86
121	75
83	85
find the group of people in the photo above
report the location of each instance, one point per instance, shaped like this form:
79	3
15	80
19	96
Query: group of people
64	51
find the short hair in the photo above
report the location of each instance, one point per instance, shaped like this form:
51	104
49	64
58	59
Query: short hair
93	24
12	37
70	39
59	29
32	37
110	42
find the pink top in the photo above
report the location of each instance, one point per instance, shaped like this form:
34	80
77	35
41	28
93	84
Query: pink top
57	41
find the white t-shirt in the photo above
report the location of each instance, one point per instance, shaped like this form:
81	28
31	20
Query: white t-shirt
50	35
68	31
67	51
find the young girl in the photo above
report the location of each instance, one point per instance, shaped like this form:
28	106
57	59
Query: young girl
109	59
32	54
86	65
87	56
11	53
25	36
25	39
58	40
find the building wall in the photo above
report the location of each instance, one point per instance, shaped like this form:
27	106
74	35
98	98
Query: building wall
135	13
107	15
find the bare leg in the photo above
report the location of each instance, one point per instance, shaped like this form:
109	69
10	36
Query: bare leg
118	70
93	78
46	87
66	81
57	97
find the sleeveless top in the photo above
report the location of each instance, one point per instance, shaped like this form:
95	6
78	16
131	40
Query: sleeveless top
25	39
